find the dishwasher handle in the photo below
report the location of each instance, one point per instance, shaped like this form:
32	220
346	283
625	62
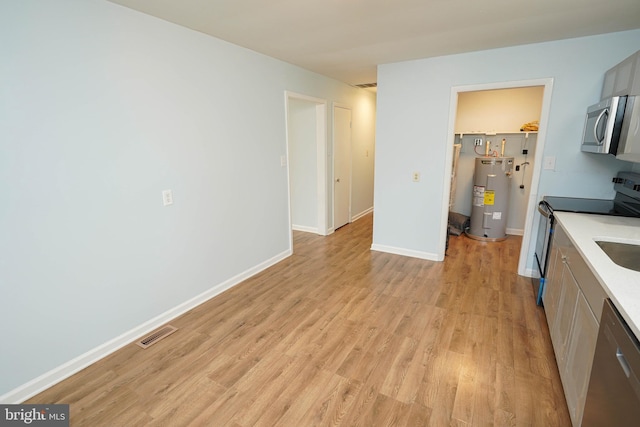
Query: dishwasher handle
621	339
623	362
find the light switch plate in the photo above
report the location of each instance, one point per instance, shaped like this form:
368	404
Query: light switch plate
549	163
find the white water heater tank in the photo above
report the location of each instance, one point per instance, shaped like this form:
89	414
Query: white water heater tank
490	202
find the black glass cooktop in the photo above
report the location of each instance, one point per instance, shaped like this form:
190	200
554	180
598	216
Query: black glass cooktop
591	206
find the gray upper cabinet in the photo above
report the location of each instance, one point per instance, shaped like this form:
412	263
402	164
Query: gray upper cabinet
623	79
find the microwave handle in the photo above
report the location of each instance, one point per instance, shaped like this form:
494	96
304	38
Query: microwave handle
595	127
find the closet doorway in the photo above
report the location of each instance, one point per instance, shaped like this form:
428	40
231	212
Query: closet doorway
534	159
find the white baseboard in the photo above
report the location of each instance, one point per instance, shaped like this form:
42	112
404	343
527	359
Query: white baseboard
331	230
54	376
515	231
361	214
304	228
406	252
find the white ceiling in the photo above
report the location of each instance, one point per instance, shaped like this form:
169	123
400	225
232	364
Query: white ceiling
347	39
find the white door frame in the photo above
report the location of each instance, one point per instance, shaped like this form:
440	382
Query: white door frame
321	170
537	167
333	168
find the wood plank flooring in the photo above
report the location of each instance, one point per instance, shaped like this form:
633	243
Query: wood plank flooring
339	335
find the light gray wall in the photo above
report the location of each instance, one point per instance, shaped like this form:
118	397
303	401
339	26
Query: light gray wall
412	131
362	157
102	108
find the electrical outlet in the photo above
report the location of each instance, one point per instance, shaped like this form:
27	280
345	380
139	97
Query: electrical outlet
478	142
167	197
416	176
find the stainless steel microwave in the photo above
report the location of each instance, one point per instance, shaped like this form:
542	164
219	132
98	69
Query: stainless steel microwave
603	126
612	126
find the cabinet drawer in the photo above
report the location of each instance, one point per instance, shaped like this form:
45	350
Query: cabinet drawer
589	285
561	240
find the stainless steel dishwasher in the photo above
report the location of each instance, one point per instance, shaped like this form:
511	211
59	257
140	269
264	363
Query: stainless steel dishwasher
613	396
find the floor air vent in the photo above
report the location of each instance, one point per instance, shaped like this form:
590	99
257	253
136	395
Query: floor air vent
156	336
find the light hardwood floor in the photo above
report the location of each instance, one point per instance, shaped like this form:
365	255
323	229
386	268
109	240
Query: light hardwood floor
340	335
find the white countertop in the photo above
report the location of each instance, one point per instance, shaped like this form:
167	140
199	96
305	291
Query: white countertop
621	284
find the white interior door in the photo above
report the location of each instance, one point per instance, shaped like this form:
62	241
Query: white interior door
341	166
303	185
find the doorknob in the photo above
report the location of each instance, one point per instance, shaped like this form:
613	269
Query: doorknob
337	179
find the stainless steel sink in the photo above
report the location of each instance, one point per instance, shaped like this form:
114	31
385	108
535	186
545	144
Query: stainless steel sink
624	254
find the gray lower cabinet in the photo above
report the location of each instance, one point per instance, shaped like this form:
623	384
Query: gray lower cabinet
572	323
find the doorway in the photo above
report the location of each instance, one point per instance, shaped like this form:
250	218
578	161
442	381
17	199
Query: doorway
536	163
494	119
306	160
